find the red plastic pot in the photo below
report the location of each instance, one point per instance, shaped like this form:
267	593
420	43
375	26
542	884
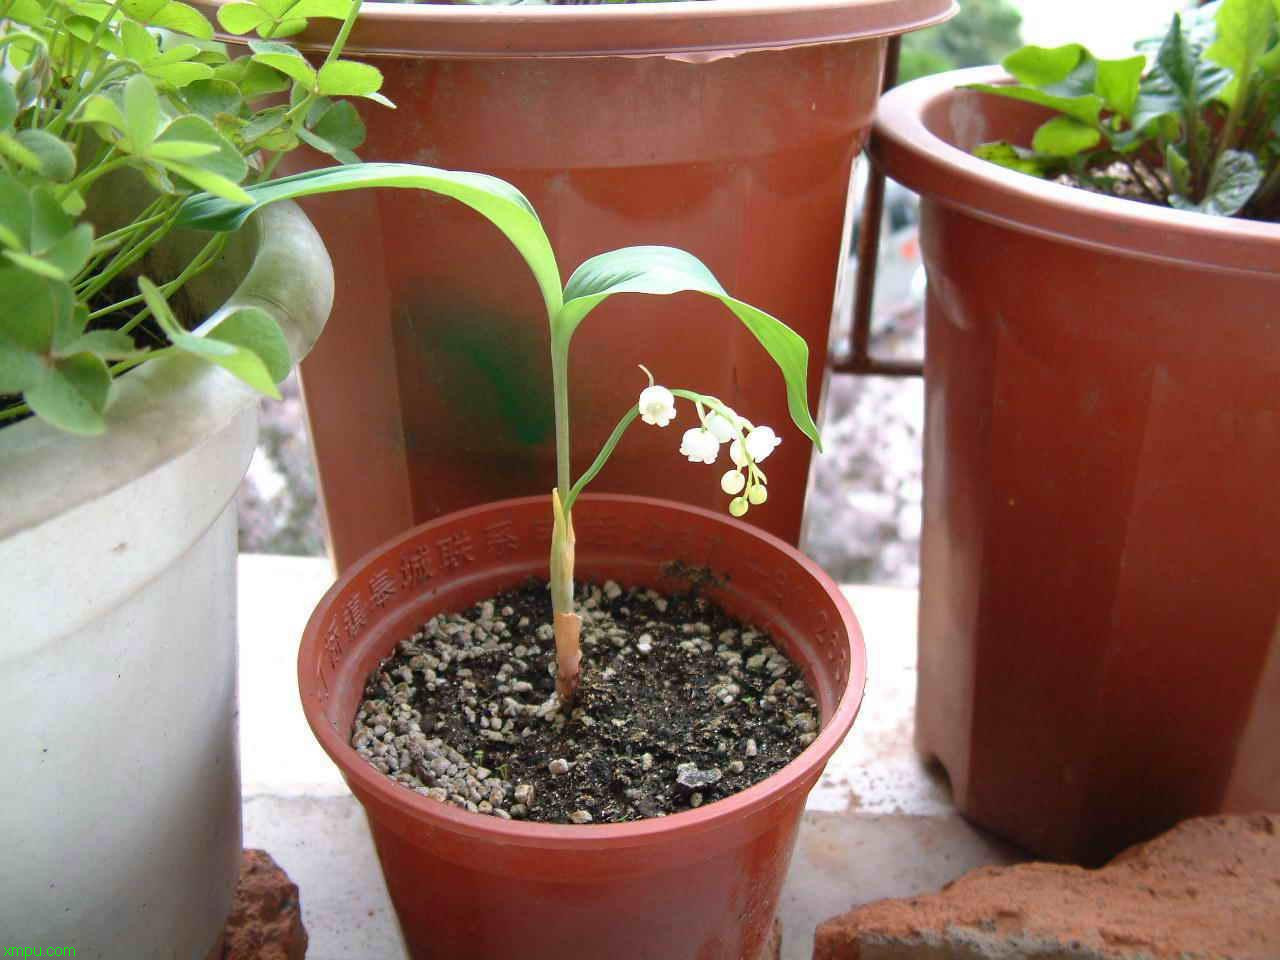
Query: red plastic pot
727	127
1099	655
699	885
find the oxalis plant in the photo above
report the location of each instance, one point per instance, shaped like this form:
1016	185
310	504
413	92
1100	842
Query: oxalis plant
1197	128
643	270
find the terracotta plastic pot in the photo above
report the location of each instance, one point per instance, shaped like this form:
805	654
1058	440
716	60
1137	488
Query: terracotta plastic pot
728	128
699	885
1099	656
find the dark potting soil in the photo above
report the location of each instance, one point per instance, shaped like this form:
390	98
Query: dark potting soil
678	705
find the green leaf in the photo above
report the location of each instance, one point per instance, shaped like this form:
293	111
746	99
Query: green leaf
15	213
180	150
285	59
240	18
496	200
253	80
178	75
1118	82
666	270
212	97
20	155
213	183
242	363
257	331
32	308
335	129
1084	108
20	368
1064	137
141	112
108	344
56	159
8	104
29	12
1011	157
1043	66
1244	34
348	78
170	15
223	160
1193	81
102	110
73	394
1175	161
1235	177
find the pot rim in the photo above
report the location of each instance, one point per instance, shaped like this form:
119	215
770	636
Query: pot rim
909	151
363	778
671	29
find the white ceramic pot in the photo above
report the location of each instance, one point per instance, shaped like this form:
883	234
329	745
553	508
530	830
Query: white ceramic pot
119	775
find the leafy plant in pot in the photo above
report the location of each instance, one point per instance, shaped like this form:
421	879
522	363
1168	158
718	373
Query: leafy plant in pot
1098	655
462	706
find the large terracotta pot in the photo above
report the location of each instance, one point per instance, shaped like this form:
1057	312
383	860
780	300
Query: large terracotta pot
728	128
698	885
1099	654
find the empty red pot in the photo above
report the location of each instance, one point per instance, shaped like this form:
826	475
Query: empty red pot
698	885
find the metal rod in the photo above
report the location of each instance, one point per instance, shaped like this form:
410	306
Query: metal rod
860	360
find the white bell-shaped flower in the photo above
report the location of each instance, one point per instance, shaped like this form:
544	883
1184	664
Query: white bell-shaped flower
736	455
700	445
761	442
722	427
657	406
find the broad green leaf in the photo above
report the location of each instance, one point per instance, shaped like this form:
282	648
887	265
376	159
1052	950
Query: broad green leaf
666	270
1084	108
1235	177
55	157
348	78
1064	137
29	12
241	18
496	200
337	151
1118	82
253	80
34	264
170	15
73	394
331	9
282	28
242	363
1042	66
179	74
15	213
1244	33
141	112
257	331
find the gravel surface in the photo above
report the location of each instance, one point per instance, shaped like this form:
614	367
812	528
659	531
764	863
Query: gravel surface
678	705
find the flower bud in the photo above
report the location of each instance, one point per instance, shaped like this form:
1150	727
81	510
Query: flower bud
757	495
723	428
738	506
732	482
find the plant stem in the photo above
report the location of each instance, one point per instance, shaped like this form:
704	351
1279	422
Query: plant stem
567	624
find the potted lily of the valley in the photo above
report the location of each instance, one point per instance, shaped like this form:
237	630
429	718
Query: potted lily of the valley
589	722
1101	565
624	123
